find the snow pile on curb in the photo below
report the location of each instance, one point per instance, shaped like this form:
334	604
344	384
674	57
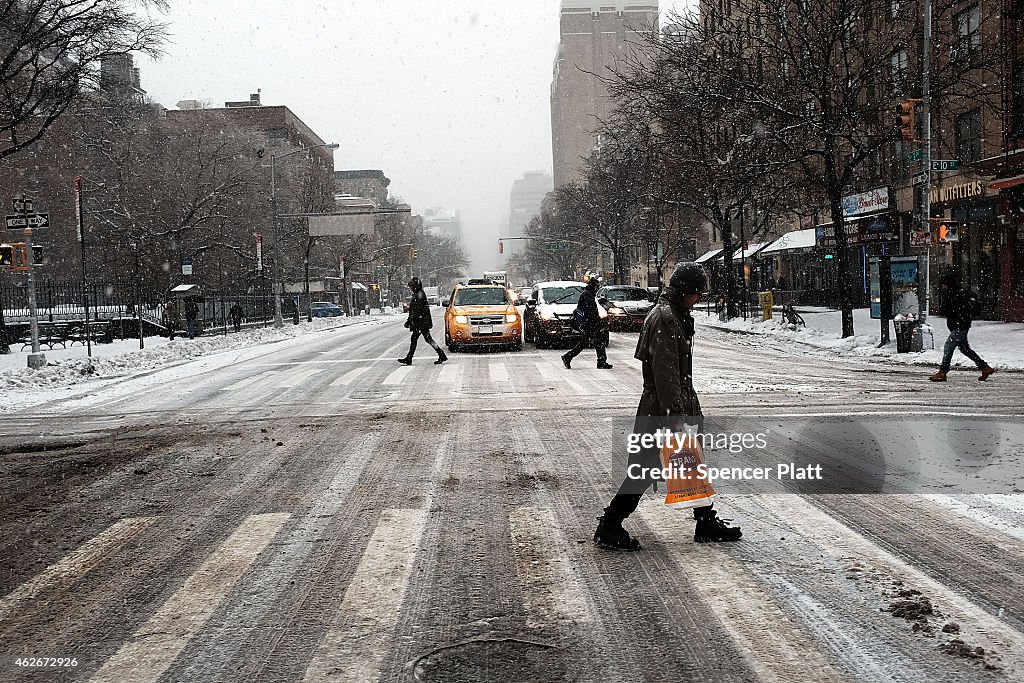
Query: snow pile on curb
79	368
1000	344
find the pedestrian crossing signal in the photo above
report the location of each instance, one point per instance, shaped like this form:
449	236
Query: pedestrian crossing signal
949	232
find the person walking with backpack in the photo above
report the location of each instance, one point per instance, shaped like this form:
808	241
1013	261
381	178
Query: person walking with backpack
665	349
420	322
589	320
961	306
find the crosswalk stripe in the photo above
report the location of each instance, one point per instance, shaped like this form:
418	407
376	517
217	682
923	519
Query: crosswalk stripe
550	588
397	376
976	624
499	373
349	376
356	642
248	381
558	375
775	646
74	565
300	377
160	640
448	374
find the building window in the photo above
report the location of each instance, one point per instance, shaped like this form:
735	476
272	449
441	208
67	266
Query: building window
894	8
968	135
898	71
968	33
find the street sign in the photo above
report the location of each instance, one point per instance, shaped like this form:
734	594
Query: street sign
919	179
29	220
186	265
23	205
920	238
945	165
914	156
556	246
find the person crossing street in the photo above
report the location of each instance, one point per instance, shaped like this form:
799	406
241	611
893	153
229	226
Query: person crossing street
665	349
419	323
591	329
961	307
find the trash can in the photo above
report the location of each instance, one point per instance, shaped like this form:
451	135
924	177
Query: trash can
904	334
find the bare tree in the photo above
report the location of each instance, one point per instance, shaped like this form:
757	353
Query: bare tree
49	54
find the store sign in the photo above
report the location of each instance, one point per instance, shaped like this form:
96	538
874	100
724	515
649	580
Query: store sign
871	230
873	201
941	195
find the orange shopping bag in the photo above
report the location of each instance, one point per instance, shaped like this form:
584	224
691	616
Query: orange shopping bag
680	455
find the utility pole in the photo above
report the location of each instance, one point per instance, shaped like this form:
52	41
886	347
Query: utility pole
926	110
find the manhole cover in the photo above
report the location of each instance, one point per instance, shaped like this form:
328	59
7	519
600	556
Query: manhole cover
493	660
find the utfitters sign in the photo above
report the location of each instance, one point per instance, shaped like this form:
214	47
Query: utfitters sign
941	195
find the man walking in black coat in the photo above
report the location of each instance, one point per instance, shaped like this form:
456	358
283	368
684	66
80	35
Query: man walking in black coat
591	330
665	349
962	306
420	322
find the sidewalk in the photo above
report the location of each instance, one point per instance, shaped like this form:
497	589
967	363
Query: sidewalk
66	368
1000	344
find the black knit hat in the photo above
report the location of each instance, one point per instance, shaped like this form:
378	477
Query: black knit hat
415	284
688	278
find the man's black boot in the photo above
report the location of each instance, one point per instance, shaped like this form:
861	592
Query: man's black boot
441	357
711	529
405	361
611	535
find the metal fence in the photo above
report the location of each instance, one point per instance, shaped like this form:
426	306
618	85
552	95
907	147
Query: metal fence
66	301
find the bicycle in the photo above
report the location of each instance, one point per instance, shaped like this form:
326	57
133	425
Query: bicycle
791	316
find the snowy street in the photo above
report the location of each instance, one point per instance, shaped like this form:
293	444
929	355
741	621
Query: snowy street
311	510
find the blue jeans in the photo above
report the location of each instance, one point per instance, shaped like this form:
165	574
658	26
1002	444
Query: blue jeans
958	340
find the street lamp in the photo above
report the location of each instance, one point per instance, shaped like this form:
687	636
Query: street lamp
278	283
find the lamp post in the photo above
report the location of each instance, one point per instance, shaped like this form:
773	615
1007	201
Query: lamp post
278	282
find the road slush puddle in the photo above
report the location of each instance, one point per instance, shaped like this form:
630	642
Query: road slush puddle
493	659
916	608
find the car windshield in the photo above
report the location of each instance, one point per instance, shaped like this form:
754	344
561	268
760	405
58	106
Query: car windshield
483	296
626	294
562	295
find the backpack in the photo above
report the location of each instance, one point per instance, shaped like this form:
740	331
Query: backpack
579	319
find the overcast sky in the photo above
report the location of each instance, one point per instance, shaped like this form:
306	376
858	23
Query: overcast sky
450	98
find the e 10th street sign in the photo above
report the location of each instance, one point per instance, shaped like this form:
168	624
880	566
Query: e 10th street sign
556	246
29	220
945	164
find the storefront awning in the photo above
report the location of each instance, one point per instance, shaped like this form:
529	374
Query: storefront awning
1006	183
359	286
798	240
708	256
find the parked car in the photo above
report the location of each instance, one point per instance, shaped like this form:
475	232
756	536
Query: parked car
325	309
481	315
547	319
627	306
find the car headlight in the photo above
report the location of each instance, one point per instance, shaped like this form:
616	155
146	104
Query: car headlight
461	319
547	315
615	310
511	318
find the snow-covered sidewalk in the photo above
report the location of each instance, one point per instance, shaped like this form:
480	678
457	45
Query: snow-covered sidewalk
66	368
1000	344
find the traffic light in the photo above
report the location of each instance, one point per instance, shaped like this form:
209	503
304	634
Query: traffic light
501	247
905	119
949	231
6	255
412	254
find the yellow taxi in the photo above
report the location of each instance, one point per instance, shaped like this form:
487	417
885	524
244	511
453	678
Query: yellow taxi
481	315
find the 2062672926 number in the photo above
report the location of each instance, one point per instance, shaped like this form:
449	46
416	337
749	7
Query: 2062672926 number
38	662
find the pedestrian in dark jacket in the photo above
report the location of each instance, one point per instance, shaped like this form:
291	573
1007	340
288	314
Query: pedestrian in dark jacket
591	329
191	314
172	317
960	306
236	317
420	322
665	349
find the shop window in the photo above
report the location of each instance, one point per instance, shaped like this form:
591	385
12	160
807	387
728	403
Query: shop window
1018	270
968	136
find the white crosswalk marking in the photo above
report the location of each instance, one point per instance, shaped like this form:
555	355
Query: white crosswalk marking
776	647
161	639
499	373
977	626
300	377
69	569
398	376
550	588
248	381
349	376
449	373
353	647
